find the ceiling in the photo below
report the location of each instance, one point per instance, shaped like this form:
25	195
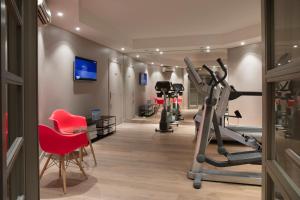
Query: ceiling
178	28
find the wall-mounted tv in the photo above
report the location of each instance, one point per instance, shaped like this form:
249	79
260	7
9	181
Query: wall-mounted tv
143	79
85	69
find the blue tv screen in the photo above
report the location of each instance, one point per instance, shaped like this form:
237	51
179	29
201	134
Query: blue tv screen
143	79
85	69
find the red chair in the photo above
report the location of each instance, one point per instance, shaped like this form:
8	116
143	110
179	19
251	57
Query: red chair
61	148
66	123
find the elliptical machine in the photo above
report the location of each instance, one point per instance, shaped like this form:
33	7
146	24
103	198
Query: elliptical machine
164	89
211	117
178	91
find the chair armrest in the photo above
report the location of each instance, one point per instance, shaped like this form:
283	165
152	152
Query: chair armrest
52	141
78	121
75	141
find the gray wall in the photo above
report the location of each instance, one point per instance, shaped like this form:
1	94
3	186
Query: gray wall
56	51
245	74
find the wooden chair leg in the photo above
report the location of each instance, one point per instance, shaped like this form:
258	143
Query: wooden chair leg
92	150
84	150
42	156
59	173
63	172
81	154
80	167
45	166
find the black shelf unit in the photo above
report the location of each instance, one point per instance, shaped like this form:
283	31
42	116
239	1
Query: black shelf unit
147	110
105	126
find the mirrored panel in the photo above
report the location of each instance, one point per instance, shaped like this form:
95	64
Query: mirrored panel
13	115
287	127
277	194
14	44
286	33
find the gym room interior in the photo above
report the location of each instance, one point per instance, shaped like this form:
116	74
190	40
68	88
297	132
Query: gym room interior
150	100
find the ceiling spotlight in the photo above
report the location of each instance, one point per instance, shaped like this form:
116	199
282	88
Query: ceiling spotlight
208	47
77	28
157	49
138	56
152	63
295	46
161	65
207	50
60	14
242	43
122	49
289	61
161	53
39	3
176	66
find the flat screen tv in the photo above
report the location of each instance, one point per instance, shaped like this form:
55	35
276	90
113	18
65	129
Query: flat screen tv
143	79
85	69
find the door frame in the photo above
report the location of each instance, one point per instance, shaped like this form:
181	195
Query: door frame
27	18
118	61
272	173
32	183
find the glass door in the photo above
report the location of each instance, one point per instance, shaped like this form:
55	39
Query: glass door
281	36
19	151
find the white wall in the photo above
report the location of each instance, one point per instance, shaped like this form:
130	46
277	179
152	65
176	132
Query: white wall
245	74
137	94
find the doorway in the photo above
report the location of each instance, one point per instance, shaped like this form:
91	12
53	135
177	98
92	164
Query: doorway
116	90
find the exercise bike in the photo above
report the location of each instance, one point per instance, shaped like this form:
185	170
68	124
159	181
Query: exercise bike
164	89
178	91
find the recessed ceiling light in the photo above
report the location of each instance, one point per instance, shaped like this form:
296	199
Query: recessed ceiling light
60	14
122	49
152	63
208	47
176	66
279	64
289	61
295	46
242	43
161	65
77	28
157	49
138	56
161	52
207	50
39	3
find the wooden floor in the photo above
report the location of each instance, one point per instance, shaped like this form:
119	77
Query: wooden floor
155	118
136	164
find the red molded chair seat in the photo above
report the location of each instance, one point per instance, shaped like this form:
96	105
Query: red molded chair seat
61	146
66	123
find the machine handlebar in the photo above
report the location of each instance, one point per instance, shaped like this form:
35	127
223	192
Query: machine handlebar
216	79
211	73
219	60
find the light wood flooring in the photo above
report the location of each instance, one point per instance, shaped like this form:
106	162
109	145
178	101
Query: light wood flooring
138	164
